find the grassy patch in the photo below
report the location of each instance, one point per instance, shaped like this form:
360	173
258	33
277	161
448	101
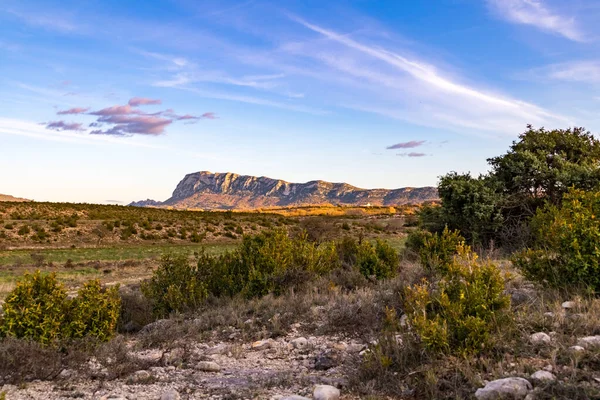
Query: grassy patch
121	253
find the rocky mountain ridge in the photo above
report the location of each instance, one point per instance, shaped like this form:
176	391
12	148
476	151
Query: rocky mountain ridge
6	197
214	191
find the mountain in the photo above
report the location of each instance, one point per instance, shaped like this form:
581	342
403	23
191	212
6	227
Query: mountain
225	191
6	197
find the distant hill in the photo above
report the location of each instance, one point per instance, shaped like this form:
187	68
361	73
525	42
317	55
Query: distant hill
226	191
5	197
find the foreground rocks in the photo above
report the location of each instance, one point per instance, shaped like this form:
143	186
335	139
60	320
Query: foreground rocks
507	388
290	368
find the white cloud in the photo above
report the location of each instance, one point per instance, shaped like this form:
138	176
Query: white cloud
406	88
577	71
536	13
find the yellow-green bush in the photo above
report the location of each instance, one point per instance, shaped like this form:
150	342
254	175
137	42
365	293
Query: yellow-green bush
38	309
268	262
567	238
457	314
94	312
438	250
35	309
175	286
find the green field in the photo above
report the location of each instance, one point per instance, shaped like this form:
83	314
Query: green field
122	253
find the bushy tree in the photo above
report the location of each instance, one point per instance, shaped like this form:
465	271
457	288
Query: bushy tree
566	248
543	165
471	205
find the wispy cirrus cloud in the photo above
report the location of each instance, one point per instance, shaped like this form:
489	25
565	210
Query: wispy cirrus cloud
74	110
587	71
407	145
539	15
64	126
412	154
402	86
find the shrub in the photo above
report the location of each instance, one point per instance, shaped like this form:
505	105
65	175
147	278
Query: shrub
566	242
175	286
94	312
458	314
438	250
35	309
38	309
415	240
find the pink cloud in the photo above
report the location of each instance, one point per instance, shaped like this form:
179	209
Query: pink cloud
75	110
116	110
134	124
64	126
412	154
406	145
141	101
209	115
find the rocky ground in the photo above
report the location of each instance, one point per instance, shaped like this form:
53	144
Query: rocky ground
268	369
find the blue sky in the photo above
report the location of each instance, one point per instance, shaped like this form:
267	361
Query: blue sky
114	101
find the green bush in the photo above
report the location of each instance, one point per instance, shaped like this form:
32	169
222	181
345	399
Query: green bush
38	309
566	243
35	309
94	312
438	250
268	262
175	286
415	240
459	313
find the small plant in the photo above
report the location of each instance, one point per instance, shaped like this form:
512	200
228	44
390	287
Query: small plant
38	309
439	249
459	313
94	312
175	286
35	309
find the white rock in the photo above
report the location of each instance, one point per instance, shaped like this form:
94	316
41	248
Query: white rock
299	343
543	376
208	366
549	314
589	342
261	345
576	349
540	338
170	394
567	305
326	392
140	376
507	388
295	397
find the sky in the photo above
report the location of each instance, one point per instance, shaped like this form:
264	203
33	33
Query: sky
107	101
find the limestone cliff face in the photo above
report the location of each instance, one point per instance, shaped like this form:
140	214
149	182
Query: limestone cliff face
8	198
207	190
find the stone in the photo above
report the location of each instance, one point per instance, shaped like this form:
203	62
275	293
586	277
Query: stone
325	361
576	349
140	376
589	342
155	326
543	376
549	314
567	305
218	349
208	366
326	392
522	296
295	397
299	343
540	338
170	394
261	345
507	388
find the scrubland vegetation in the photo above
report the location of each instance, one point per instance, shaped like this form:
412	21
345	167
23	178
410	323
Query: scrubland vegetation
499	280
